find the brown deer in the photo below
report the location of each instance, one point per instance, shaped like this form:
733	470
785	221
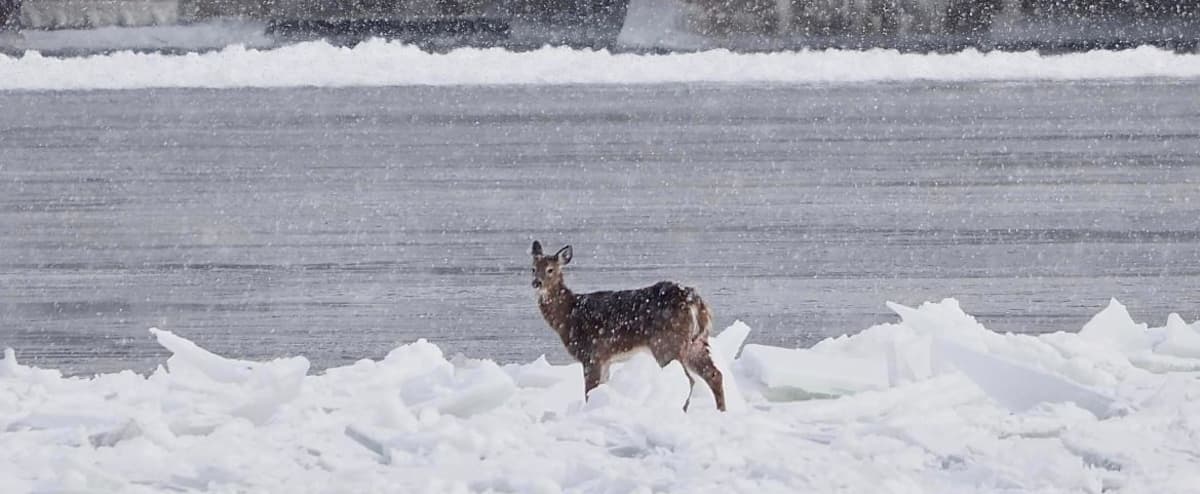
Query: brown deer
598	328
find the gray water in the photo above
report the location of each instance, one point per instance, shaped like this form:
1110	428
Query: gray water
340	223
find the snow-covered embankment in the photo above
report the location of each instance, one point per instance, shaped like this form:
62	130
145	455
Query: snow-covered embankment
935	403
382	63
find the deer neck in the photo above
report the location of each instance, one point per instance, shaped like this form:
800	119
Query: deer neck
556	303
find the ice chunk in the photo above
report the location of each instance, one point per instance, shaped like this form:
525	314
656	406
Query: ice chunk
1019	387
540	373
1179	339
81	419
416	358
270	386
9	366
110	438
80	476
13	483
392	413
786	375
729	342
547	390
908	360
640	382
1114	326
944	319
188	358
477	387
250	390
370	441
1164	363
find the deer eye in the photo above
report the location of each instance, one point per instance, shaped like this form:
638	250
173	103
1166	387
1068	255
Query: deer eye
550	271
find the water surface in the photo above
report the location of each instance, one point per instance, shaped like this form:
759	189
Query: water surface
340	223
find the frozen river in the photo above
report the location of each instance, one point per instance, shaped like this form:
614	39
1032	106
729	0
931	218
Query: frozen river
339	223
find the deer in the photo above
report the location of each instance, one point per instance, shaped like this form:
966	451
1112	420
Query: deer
600	328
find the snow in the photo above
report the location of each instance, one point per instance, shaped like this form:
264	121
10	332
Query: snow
932	403
382	63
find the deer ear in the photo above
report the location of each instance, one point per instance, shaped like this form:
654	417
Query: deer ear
537	248
564	255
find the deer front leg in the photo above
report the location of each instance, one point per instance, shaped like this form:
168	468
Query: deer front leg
594	373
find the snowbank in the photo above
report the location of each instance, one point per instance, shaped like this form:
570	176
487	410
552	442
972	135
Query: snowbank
380	63
932	403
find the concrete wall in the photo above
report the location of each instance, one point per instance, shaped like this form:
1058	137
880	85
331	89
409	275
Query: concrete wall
60	14
802	17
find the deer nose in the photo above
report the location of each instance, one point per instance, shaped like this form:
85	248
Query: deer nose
537	283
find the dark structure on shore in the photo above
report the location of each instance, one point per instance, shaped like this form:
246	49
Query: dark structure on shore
9	12
1053	25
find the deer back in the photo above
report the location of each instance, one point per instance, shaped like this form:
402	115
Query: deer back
605	324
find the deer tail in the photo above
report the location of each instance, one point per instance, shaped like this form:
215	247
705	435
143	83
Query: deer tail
701	316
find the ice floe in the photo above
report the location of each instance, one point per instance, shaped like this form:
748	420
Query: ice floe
934	402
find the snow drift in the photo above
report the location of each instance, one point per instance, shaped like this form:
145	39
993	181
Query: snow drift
933	403
381	63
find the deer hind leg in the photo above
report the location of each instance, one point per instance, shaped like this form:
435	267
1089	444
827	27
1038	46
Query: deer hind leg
699	360
691	386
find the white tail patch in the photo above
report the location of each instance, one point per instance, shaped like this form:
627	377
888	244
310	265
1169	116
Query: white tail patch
696	329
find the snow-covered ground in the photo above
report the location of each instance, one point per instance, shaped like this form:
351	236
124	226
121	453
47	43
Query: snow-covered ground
381	63
933	403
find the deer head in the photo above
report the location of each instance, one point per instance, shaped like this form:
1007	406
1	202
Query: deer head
548	270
